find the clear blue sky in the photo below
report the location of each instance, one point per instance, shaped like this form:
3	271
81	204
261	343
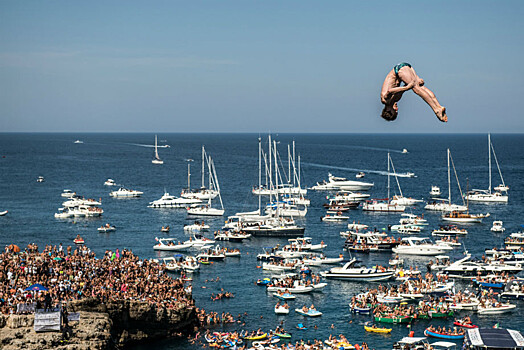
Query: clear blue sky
257	66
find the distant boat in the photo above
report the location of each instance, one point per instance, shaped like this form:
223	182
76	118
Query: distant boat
3	213
404	151
40	179
157	159
79	141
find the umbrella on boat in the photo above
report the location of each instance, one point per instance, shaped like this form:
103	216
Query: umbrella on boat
14	248
37	286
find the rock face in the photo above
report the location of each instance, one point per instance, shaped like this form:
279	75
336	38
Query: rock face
101	326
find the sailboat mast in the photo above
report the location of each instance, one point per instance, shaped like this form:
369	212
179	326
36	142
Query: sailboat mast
259	173
489	161
388	175
449	181
156	148
188	175
289	164
294	168
203	171
270	158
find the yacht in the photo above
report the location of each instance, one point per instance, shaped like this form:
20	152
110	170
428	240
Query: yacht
497	227
110	182
205	210
435	191
156	159
467	268
348	196
406	201
285	209
351	272
125	193
68	194
412	219
76	201
279	227
488	196
203	193
170	244
449	230
420	246
461	218
64	213
169	201
341	183
382	205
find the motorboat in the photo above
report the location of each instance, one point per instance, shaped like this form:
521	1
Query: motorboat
78	240
169	201
78	142
196	227
3	213
110	182
411	343
497	227
40	179
430	333
319	260
123	192
351	272
435	191
357	226
305	243
205	211
419	246
170	244
449	230
106	228
334	218
382	205
68	194
468	269
406	229
495	309
231	236
360	175
404	151
285	209
460	217
347	196
156	159
63	213
514	290
487	196
406	201
77	201
444	205
199	241
341	183
278	227
412	219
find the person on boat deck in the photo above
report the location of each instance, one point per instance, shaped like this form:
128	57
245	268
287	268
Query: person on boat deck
392	92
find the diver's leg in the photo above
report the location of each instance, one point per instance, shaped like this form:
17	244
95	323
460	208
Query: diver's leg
430	98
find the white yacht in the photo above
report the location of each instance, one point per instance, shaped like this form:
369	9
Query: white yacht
487	195
341	183
110	182
76	201
64	213
203	193
446	205
466	268
348	196
205	210
350	272
412	219
497	227
435	191
406	201
123	192
68	194
420	246
156	159
169	201
170	244
285	209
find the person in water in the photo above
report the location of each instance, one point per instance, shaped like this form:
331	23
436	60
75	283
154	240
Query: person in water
392	92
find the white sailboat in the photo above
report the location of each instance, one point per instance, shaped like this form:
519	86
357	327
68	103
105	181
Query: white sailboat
157	159
487	196
202	193
400	199
443	204
208	210
384	205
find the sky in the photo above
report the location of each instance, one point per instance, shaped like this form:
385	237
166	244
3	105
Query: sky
257	66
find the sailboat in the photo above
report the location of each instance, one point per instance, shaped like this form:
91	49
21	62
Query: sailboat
201	193
464	218
488	196
443	204
383	205
400	199
157	159
208	210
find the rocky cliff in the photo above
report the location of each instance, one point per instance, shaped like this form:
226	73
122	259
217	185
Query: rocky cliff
101	326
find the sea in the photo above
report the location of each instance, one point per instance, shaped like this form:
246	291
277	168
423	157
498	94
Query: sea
126	158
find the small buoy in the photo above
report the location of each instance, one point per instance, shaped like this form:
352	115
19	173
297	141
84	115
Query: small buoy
412	334
259	267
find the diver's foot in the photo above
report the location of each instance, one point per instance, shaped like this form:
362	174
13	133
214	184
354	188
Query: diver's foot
441	115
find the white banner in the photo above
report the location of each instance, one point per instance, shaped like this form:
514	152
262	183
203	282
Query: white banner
47	321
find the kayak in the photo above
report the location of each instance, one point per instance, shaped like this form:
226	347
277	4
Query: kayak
310	313
465	325
377	330
256	337
428	333
284	336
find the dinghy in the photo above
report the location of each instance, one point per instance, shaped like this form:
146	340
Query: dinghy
281	310
309	313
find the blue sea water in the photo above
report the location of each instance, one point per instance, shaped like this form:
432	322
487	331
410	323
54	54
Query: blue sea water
125	158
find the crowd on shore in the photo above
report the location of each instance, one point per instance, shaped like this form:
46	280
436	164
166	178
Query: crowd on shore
73	274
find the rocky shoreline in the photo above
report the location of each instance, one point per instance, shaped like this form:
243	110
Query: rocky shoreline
114	324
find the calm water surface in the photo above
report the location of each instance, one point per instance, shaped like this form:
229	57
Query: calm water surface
124	158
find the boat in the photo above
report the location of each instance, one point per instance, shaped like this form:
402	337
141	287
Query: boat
393	319
497	227
360	175
40	179
165	229
404	151
309	312
493	339
157	159
281	309
106	228
487	196
449	230
110	182
341	183
375	329
208	210
283	335
284	296
68	194
350	272
169	244
334	218
196	227
256	337
78	142
202	193
461	218
419	246
123	192
495	310
435	191
78	240
447	205
3	213
434	334
169	201
360	310
464	325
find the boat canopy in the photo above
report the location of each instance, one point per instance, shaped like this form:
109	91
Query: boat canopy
444	344
411	340
494	338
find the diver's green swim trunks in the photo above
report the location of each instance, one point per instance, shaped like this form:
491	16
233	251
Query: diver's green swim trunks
400	65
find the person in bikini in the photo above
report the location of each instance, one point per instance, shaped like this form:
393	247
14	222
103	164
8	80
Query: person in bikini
392	92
